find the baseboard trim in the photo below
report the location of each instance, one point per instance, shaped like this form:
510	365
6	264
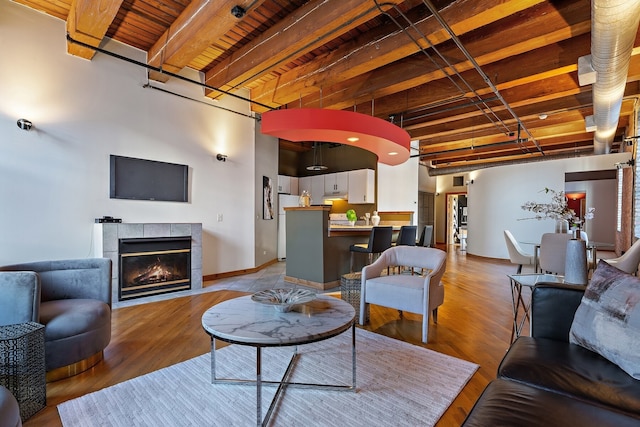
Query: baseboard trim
238	272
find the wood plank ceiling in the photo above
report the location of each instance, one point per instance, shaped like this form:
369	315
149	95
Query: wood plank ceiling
393	59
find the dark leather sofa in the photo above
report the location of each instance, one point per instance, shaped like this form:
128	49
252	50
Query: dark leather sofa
544	380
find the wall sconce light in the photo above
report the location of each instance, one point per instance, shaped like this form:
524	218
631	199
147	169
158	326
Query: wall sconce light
628	164
221	157
437	193
24	124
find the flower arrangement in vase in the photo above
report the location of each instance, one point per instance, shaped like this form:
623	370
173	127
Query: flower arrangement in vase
559	210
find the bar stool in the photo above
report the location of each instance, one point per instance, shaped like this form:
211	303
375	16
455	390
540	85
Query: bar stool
425	237
407	236
379	241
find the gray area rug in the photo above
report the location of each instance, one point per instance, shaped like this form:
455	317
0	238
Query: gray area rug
398	384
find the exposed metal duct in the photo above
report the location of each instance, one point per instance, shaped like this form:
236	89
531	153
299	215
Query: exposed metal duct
447	170
614	24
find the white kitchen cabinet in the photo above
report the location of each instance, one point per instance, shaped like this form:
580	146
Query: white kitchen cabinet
362	186
395	197
336	183
284	184
294	180
304	183
287	184
315	186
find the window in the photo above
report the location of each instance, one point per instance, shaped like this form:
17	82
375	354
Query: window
619	207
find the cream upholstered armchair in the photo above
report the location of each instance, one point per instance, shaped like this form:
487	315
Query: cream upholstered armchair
415	293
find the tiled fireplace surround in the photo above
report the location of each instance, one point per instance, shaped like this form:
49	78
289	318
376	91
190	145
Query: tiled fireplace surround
106	236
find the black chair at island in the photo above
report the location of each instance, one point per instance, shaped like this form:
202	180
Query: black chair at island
407	236
379	241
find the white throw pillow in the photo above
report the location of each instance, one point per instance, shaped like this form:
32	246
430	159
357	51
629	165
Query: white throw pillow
608	318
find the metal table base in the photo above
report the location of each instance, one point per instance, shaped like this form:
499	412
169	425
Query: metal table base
284	383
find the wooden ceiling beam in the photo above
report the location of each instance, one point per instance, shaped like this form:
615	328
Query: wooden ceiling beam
574	127
542	63
526	101
201	24
541	59
307	28
570	135
471	119
567	148
88	22
376	50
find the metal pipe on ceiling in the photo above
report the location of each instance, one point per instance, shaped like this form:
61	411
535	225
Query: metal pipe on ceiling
477	67
614	25
487	111
495	119
160	70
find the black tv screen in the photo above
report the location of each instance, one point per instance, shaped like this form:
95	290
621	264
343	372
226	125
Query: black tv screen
140	179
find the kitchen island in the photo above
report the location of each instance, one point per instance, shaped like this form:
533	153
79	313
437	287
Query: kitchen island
318	252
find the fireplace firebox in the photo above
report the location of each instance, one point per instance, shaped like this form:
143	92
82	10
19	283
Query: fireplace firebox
152	266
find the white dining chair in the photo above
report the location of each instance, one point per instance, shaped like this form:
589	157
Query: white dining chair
553	252
516	254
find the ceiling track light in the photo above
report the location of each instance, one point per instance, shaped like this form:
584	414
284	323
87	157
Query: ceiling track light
24	124
238	11
221	157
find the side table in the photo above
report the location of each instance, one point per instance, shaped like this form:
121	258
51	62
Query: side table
350	291
522	306
22	365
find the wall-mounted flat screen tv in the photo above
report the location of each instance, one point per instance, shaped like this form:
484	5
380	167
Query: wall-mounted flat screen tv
140	179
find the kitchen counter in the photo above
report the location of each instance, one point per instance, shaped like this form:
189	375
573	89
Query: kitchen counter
335	230
317	251
314	258
310	208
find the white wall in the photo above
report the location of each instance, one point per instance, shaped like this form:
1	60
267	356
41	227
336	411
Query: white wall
265	165
426	183
54	180
601	195
497	194
398	187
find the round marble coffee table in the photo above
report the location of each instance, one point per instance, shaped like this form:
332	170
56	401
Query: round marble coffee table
246	322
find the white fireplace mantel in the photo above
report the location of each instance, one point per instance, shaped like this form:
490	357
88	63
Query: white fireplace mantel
107	235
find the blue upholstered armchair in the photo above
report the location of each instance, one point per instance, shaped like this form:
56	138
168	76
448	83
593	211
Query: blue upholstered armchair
72	298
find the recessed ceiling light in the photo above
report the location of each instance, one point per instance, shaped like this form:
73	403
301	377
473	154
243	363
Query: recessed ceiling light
542	116
353	139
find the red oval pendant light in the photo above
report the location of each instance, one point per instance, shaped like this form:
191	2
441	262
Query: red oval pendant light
388	141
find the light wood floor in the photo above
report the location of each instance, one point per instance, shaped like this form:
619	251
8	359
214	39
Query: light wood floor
473	324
